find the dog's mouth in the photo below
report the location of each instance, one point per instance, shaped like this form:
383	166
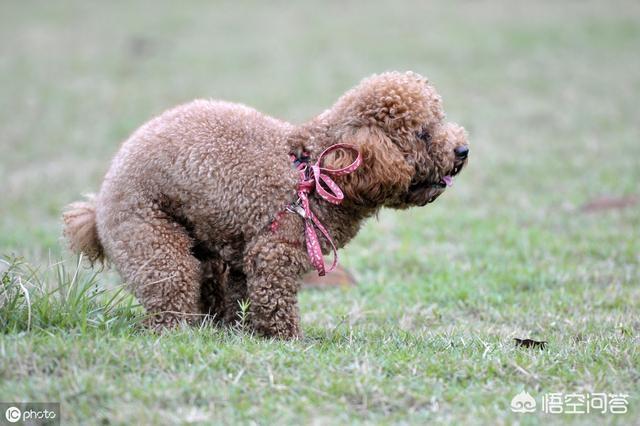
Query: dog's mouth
422	193
425	192
447	180
444	182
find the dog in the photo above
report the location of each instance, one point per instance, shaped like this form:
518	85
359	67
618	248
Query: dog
213	203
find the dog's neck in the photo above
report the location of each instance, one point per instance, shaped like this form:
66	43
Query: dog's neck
343	221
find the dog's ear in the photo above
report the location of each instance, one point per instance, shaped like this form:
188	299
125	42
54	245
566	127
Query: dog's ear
383	174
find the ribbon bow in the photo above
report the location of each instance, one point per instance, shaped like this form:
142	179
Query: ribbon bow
316	177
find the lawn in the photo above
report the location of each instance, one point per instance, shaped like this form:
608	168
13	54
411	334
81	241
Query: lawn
538	238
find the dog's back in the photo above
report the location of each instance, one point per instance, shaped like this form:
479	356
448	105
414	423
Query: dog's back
220	169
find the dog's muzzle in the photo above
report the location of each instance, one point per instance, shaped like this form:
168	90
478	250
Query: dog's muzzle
425	192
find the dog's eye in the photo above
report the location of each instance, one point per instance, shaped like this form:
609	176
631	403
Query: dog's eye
424	135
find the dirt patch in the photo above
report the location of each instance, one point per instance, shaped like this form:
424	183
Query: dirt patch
339	277
606	203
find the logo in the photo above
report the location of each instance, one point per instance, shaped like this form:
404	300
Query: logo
13	414
523	403
30	413
572	403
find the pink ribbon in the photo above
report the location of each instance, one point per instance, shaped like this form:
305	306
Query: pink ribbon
317	177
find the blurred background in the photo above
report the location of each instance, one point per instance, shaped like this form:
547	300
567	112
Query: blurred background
538	238
547	91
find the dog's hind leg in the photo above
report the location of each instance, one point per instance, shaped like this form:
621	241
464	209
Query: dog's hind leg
153	254
212	289
235	292
223	289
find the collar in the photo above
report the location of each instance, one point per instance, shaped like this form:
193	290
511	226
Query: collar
315	177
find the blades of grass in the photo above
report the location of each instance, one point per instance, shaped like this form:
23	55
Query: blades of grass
56	298
80	295
75	273
28	302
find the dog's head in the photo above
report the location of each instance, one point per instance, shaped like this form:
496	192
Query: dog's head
410	154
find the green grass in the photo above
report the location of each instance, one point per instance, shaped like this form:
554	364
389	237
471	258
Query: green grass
548	93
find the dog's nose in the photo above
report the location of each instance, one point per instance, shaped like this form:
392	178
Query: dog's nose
462	151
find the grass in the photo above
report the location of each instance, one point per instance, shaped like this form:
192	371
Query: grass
28	300
548	95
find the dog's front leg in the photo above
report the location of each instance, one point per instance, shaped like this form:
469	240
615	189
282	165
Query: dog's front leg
273	271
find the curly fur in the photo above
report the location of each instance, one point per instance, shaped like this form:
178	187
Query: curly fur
80	229
184	212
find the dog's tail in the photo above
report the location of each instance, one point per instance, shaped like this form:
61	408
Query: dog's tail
81	231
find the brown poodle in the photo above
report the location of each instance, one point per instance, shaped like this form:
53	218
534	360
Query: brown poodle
198	210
